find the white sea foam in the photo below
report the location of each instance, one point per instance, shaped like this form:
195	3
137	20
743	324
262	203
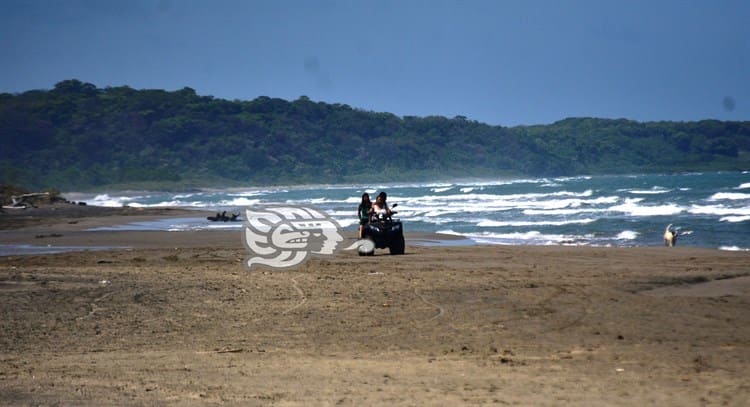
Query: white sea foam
441	220
744	185
568	179
475	202
627	235
441	189
653	191
240	201
735	219
530	237
495	223
253	192
719	210
602	200
734	249
496	183
448	232
561	212
184	196
162	204
732	196
506	197
109	201
631	207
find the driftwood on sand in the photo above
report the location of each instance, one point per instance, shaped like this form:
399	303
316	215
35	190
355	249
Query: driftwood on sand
26	200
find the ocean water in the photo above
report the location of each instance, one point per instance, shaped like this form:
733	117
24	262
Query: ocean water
712	209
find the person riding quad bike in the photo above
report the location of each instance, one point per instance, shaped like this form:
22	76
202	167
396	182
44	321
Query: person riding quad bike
382	230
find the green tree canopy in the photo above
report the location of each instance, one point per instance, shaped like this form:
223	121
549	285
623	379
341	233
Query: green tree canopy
79	136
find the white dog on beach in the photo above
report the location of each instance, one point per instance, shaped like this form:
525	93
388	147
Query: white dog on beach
670	236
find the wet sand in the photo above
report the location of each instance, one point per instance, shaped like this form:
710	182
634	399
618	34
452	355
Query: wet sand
174	318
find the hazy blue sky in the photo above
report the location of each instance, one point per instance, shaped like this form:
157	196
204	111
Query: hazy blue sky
500	62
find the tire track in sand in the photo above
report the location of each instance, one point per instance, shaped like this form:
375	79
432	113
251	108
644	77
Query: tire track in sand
301	294
441	310
94	307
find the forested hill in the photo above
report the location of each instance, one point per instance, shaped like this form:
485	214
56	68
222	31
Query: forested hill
79	136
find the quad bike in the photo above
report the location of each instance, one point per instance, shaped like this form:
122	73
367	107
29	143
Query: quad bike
383	232
223	217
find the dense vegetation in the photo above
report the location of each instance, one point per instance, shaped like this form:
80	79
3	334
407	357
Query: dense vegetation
79	136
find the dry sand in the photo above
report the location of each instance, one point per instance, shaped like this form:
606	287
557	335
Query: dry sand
175	319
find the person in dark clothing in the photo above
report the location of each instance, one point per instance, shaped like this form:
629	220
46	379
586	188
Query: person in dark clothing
363	211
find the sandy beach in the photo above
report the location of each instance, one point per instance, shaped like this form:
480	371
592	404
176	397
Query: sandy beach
174	318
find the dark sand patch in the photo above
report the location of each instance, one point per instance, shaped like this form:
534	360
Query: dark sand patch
734	286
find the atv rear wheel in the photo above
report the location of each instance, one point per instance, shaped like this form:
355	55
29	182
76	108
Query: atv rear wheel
397	245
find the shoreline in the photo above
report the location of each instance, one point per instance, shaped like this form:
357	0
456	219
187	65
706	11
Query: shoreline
70	227
81	228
